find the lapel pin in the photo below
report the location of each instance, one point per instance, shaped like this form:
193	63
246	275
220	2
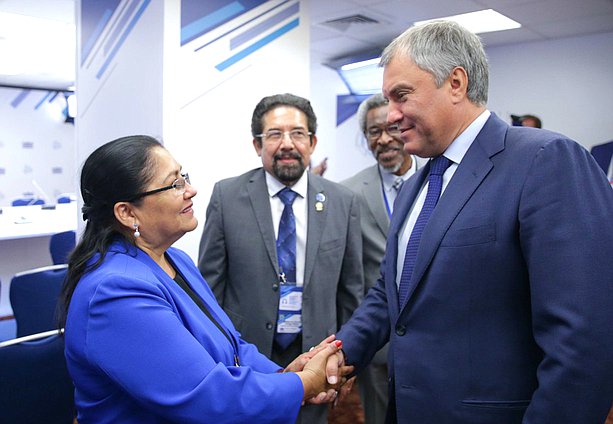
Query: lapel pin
320	199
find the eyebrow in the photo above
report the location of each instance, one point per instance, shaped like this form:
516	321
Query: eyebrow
174	174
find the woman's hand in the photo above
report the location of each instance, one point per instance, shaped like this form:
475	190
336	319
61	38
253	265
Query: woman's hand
317	389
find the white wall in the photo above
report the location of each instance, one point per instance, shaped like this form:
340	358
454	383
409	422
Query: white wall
564	82
567	83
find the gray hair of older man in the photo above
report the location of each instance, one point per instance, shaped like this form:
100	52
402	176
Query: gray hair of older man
373	102
438	48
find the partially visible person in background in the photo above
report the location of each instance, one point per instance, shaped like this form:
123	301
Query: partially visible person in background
321	168
531	121
146	341
376	187
526	121
603	153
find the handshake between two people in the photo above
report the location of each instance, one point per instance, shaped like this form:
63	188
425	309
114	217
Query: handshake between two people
323	372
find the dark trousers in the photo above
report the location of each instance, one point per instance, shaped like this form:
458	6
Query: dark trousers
309	414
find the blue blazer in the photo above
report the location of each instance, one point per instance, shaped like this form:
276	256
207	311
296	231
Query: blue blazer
141	351
510	311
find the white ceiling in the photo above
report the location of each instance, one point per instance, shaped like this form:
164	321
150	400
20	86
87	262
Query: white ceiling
541	20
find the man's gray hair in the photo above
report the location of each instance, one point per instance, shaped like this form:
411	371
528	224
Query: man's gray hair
373	102
439	47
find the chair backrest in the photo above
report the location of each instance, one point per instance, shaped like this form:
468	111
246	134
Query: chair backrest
63	199
36	386
61	245
27	202
34	295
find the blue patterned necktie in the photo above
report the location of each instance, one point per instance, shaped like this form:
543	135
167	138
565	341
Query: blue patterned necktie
286	254
435	185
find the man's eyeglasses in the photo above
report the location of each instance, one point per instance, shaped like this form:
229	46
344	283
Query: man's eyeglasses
178	185
275	136
374	133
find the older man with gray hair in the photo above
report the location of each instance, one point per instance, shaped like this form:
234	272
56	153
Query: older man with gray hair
495	289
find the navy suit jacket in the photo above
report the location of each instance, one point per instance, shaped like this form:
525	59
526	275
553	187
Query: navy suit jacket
508	317
141	351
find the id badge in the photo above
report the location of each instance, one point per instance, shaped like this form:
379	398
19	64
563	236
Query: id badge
290	309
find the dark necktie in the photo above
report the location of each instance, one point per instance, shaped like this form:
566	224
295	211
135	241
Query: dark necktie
286	254
435	184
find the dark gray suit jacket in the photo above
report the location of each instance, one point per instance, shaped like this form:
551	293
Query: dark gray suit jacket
238	258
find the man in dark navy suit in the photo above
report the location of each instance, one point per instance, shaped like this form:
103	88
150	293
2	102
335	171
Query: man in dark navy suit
496	296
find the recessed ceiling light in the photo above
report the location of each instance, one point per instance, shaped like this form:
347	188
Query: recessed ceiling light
481	21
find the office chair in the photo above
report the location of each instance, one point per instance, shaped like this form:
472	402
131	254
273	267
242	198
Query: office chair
27	202
36	386
33	295
61	245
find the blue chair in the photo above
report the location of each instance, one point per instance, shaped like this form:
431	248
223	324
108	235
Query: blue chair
61	245
36	386
63	199
27	202
34	295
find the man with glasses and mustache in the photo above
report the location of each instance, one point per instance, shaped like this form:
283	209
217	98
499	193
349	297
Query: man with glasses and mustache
376	187
281	247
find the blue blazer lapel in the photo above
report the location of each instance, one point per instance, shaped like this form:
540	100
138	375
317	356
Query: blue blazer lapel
258	194
474	167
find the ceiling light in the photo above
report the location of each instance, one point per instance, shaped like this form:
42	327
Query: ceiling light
479	22
361	64
33	45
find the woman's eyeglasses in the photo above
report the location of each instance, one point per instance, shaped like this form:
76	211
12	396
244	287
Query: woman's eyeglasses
178	185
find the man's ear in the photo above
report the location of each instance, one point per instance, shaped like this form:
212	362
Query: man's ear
257	145
458	83
124	213
313	142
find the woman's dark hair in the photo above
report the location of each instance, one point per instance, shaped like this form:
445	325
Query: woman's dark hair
114	172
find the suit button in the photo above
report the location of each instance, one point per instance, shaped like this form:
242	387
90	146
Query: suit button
275	287
269	326
401	330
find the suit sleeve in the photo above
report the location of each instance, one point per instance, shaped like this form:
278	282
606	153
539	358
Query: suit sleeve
566	237
351	284
212	257
368	329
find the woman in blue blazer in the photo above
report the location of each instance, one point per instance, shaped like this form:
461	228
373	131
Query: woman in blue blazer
146	341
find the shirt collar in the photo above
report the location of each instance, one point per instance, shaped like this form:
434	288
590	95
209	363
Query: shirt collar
275	186
458	147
